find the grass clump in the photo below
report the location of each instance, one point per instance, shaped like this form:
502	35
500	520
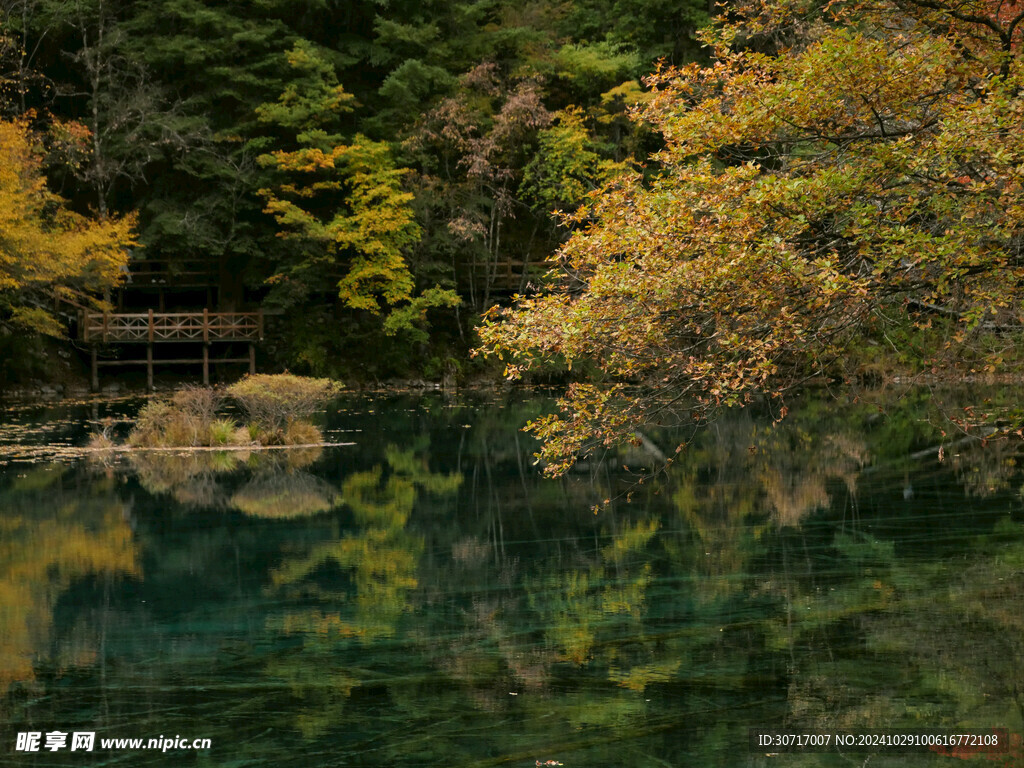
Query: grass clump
224	432
274	403
186	420
278	409
101	442
301	433
151	425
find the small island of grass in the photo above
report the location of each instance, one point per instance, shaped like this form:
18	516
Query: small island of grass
277	408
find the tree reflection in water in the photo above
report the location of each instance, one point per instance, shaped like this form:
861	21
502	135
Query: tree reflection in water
426	598
54	537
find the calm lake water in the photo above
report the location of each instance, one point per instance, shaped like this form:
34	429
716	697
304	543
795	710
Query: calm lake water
424	598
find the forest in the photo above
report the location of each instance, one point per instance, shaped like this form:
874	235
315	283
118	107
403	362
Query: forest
657	210
640	197
375	174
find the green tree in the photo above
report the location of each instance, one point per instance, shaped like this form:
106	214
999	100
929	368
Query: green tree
343	202
182	99
865	166
565	169
655	29
223	59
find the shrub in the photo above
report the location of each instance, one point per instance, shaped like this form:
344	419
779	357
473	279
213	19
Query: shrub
201	402
185	429
273	402
187	419
277	406
150	423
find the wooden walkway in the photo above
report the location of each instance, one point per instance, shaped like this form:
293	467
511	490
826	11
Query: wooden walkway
151	328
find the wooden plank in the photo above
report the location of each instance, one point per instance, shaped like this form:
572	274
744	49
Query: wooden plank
175	361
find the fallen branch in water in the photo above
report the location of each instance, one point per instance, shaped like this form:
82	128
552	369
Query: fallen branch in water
936	450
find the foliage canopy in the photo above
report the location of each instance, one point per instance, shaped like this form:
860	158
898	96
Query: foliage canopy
367	169
46	249
830	168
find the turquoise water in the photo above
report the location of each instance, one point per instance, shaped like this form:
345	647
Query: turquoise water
424	597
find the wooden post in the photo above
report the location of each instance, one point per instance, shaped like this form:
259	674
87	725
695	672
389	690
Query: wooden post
260	324
206	365
149	352
95	379
84	324
106	322
252	358
206	325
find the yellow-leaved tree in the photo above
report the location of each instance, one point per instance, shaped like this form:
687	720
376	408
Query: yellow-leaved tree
342	205
838	173
46	249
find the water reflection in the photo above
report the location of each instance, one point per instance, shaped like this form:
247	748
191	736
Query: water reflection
53	539
204	479
424	598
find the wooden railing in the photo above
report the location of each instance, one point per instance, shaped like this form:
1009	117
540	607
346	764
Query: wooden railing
154	327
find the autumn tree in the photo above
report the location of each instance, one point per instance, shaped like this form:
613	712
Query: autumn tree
343	204
472	147
173	93
46	249
828	172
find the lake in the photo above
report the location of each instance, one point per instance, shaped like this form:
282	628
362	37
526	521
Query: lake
424	597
